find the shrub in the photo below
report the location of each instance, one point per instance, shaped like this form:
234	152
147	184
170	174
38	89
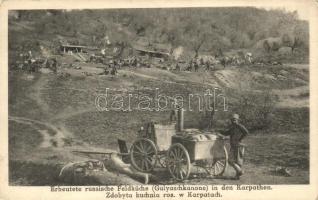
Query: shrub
256	109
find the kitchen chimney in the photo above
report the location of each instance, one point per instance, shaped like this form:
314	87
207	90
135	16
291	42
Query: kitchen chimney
180	119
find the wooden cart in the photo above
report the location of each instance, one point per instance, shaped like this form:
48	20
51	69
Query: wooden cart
178	152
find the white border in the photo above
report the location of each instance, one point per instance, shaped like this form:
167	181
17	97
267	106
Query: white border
290	192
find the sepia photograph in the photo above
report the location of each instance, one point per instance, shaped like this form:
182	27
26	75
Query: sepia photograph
213	95
161	100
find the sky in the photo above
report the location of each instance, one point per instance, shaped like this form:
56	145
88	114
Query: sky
303	11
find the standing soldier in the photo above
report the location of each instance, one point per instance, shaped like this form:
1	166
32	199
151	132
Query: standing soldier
207	65
237	133
105	70
30	54
92	58
134	62
138	59
201	61
223	61
196	66
30	65
120	63
113	70
177	66
189	67
54	65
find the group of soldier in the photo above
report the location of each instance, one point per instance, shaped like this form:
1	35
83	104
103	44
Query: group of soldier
133	61
211	63
111	66
236	60
192	65
195	64
138	62
27	62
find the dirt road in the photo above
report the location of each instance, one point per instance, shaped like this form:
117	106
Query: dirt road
52	136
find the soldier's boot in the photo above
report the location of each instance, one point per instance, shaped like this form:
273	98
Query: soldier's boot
238	170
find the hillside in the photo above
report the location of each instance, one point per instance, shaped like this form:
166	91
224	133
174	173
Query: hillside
207	31
68	106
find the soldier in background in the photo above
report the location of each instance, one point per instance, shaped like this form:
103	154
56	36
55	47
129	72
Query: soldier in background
178	67
223	61
207	65
134	62
113	70
196	66
105	71
237	133
189	67
201	61
54	65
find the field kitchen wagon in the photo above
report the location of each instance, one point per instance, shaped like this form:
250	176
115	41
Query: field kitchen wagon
178	150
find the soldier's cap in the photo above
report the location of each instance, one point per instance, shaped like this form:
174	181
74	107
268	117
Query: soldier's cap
235	116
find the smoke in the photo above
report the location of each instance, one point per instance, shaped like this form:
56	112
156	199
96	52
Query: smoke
177	52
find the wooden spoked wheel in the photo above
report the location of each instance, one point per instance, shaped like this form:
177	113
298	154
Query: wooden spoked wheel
143	155
178	162
217	166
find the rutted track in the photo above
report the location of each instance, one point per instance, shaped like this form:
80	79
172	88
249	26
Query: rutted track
52	135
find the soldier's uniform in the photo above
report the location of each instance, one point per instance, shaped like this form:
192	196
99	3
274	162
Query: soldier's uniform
113	70
189	67
207	65
177	67
196	66
236	132
54	65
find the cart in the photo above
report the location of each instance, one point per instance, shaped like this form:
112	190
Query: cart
179	152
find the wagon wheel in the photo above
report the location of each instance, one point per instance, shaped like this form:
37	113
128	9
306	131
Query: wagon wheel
178	162
143	155
217	166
